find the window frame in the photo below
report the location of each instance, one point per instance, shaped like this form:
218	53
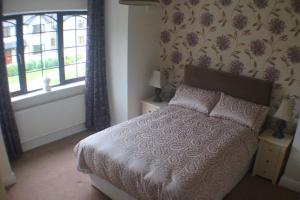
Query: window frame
60	49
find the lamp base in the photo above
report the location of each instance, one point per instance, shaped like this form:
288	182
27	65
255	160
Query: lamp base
281	125
278	135
157	97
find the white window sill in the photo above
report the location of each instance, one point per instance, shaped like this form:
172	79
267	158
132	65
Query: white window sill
40	97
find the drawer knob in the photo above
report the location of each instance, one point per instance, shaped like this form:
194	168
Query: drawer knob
270	150
267	161
264	172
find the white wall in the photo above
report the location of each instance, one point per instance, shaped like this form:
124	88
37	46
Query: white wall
291	177
50	121
132	52
143	54
116	31
45	117
29	6
6	174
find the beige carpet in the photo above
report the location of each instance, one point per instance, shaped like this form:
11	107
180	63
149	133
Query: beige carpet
49	173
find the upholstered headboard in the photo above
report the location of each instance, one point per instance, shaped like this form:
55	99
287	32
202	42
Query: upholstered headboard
247	88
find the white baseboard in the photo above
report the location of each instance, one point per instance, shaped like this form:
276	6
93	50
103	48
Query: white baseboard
290	183
9	179
34	143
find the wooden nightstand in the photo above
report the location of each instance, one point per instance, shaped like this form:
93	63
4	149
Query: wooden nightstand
148	105
271	155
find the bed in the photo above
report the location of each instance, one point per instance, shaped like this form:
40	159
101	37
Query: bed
175	152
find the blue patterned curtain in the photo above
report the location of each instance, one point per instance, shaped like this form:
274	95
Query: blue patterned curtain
96	97
7	118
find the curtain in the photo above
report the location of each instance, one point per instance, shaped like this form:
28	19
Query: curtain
7	119
96	97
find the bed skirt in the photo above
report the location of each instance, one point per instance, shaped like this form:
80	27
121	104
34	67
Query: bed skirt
108	189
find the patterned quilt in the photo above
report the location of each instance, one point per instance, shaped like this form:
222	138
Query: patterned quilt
173	153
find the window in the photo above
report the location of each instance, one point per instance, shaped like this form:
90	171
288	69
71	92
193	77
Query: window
74	44
44	45
10	45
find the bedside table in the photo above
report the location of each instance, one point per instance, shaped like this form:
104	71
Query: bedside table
271	155
148	105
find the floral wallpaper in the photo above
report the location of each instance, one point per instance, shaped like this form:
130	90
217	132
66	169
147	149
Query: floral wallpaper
257	38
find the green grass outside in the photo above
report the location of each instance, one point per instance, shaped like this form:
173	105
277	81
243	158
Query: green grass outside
34	78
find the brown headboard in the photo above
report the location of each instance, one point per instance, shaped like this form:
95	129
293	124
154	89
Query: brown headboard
247	88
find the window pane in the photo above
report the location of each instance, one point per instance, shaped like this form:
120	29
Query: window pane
69	38
81	54
13	74
40	42
39	23
69	22
14	83
10	50
9	28
9	38
34	80
81	22
33	67
50	59
32	43
31	24
49	21
69	56
40	32
70	72
10	46
12	67
51	67
74	38
53	74
49	40
81	70
81	37
33	62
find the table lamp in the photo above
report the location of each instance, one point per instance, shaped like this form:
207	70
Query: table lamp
156	83
283	115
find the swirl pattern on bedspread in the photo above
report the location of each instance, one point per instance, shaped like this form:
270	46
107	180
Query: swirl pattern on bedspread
173	153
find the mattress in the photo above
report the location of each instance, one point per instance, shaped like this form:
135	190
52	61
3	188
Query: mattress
173	153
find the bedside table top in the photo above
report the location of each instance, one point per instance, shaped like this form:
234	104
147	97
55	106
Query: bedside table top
267	136
158	104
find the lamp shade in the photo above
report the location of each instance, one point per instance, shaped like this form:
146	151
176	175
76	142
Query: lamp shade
155	79
138	2
284	111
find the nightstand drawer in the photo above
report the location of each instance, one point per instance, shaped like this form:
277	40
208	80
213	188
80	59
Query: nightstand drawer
267	162
266	171
270	152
